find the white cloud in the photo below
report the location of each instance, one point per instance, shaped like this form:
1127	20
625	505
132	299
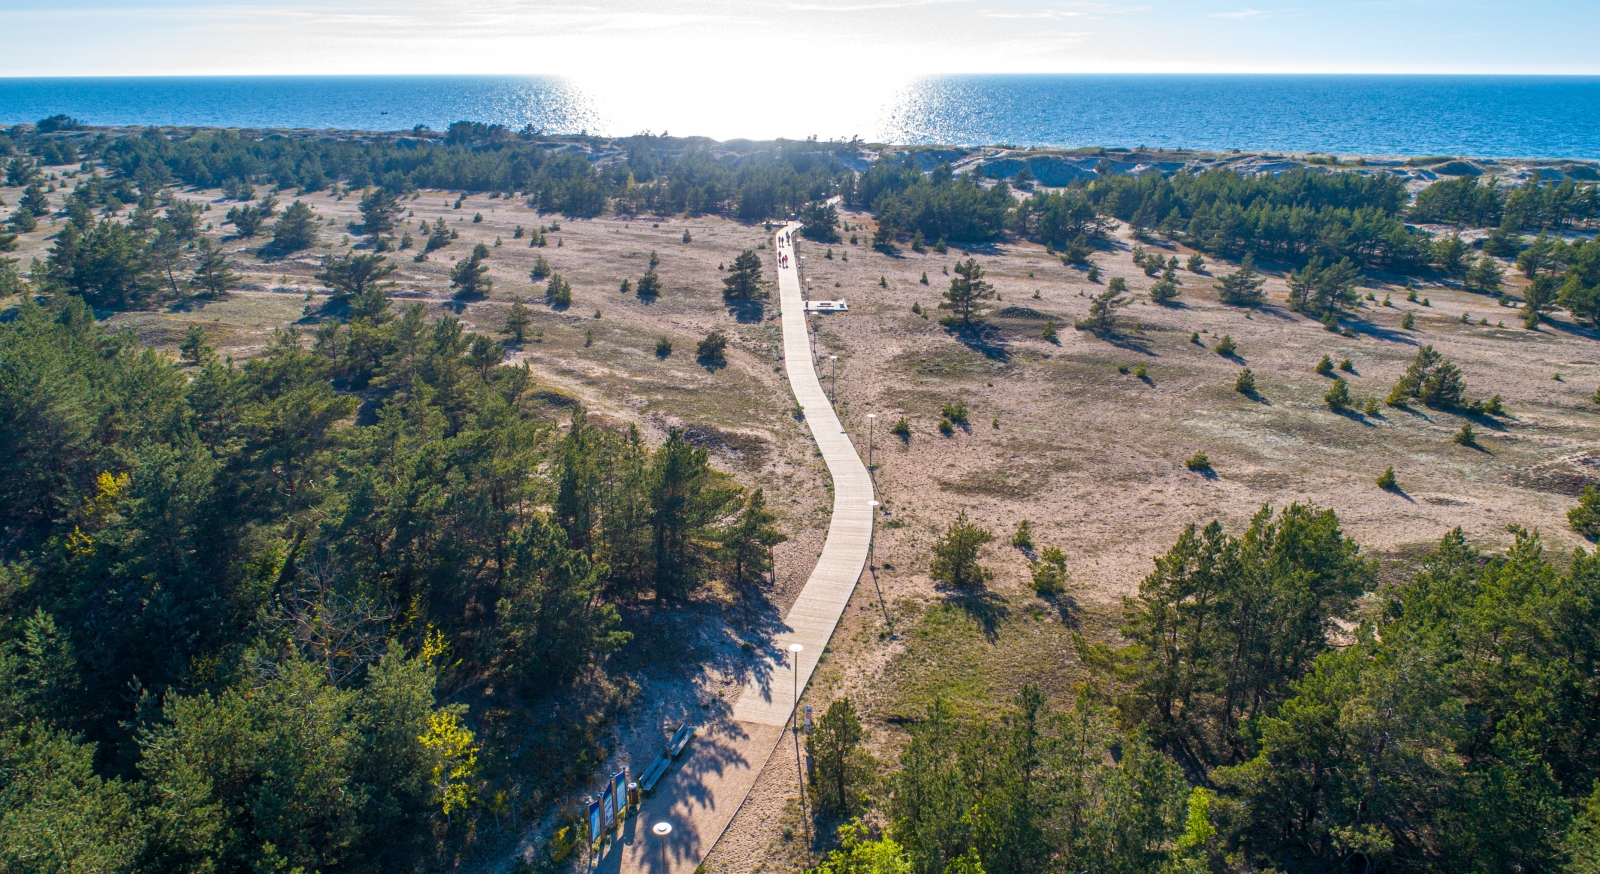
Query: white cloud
1242	13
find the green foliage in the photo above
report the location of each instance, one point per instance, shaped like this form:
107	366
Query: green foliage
1032	792
1164	291
902	429
380	212
649	285
940	205
860	853
1319	288
747	543
558	292
1246	383
1102	316
1408	321
213	272
518	318
968	291
1023	539
470	276
1198	462
1225	625
1292	216
1242	287
955	554
106	263
744	282
1585	518
1386	480
1325	366
841	766
712	349
1226	347
1465	437
1432	379
663	347
296	229
1338	396
351	274
1050	575
1049	333
1196	263
820	222
1464	200
955	411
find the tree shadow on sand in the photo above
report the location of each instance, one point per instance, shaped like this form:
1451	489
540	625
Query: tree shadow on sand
983	338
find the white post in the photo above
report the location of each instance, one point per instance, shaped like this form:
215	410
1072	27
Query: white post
872	421
661	830
794	723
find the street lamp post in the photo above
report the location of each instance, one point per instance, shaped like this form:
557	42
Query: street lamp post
835	392
661	830
794	710
872	421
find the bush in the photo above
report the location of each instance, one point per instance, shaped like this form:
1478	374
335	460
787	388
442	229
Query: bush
1164	292
1432	379
1242	287
1246	383
1325	366
1346	366
1386	480
1050	572
541	269
955	555
1338	397
1196	263
1023	539
902	429
1050	334
558	292
1199	463
955	412
663	347
1585	518
1465	437
712	349
946	428
1226	347
1408	321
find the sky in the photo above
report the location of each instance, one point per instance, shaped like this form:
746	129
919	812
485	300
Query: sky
829	40
712	65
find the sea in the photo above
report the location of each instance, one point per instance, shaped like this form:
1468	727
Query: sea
1410	115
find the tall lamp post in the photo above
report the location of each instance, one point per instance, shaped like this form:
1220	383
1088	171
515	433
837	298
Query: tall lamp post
835	392
872	421
794	722
661	830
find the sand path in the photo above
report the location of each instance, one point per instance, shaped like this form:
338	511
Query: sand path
700	795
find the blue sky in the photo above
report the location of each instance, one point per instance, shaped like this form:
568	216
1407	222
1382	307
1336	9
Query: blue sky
834	42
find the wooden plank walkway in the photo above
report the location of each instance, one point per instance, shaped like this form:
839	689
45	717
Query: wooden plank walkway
700	796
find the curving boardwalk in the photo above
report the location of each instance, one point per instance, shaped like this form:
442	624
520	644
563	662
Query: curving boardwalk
701	795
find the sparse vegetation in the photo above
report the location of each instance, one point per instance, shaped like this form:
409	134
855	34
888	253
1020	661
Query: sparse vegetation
1049	573
956	552
1246	383
1198	462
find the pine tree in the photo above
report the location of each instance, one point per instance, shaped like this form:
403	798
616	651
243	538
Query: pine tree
351	274
744	282
296	229
558	292
1242	287
517	321
380	210
955	554
470	277
1246	383
747	543
213	274
968	291
194	349
1102	318
1338	397
834	747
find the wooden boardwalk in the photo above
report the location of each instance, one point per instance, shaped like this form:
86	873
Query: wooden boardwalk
700	796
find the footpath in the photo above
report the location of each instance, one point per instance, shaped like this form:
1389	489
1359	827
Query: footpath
699	796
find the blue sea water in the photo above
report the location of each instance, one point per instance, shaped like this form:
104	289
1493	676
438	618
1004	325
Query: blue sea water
1514	116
